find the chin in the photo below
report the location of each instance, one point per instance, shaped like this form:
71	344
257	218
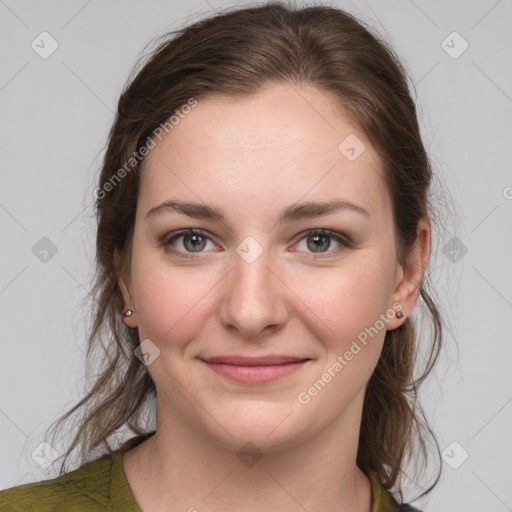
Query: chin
268	426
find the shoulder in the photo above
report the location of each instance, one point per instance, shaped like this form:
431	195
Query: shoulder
383	500
86	488
404	507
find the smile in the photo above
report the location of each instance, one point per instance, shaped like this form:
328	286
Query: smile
253	371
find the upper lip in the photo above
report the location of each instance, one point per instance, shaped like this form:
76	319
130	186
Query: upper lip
254	361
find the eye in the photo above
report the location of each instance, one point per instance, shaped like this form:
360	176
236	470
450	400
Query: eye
319	241
188	241
191	242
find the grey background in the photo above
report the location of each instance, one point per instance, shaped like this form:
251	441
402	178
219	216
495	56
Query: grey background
55	116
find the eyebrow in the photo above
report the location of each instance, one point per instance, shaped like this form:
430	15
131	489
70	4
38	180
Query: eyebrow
289	214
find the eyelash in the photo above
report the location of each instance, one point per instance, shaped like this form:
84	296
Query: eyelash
342	240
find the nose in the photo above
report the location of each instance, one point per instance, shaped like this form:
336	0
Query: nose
254	298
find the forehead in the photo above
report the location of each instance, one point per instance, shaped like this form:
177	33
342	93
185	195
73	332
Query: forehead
269	149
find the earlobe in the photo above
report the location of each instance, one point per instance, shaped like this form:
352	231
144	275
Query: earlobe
408	289
124	283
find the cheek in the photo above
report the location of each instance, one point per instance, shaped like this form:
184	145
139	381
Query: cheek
347	300
346	318
347	306
170	300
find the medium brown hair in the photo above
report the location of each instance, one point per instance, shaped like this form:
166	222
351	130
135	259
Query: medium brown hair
236	53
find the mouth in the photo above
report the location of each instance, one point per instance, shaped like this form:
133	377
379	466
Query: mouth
255	370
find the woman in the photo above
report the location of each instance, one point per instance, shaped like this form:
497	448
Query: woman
264	232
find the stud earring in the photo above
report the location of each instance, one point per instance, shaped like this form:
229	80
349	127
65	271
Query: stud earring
399	314
128	312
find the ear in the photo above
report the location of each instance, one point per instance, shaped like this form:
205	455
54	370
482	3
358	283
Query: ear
410	278
124	282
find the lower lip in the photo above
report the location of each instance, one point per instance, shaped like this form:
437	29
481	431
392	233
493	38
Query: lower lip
255	374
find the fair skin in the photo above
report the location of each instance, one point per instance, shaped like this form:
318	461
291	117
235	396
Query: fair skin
251	158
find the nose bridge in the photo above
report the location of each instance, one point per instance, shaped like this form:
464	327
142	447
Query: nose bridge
254	297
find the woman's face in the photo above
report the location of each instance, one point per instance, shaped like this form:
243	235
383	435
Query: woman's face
255	178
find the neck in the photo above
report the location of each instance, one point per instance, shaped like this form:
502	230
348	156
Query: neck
178	468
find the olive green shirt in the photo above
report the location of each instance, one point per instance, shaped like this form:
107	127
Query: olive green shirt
101	485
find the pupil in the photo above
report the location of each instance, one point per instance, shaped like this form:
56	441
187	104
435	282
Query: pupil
196	241
318	242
